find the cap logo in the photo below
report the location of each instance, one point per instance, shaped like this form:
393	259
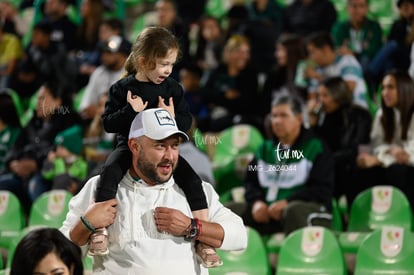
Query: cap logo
164	118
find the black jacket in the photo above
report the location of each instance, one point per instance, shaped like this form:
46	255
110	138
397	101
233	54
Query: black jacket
119	114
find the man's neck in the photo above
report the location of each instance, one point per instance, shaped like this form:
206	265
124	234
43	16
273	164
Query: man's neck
136	175
290	140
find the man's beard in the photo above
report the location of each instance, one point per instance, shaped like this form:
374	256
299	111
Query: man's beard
149	170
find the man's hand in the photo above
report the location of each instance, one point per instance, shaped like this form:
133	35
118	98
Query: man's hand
276	209
260	212
101	214
136	102
23	168
365	160
169	107
171	220
401	156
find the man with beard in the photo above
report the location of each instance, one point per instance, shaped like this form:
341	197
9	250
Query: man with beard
114	53
151	229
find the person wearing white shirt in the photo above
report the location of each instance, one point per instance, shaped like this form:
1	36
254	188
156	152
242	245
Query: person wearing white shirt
151	229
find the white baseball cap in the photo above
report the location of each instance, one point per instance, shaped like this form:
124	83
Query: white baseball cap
156	124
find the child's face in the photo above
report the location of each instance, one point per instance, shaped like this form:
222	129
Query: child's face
163	67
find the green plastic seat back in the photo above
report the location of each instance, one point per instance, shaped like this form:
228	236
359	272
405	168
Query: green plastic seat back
199	140
311	250
18	104
15	241
142	21
78	98
11	212
251	261
12	219
234	150
379	206
337	224
217	8
31	107
50	208
389	250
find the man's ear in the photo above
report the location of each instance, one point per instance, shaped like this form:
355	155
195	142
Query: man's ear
134	145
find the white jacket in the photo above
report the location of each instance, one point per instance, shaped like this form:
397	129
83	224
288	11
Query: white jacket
135	245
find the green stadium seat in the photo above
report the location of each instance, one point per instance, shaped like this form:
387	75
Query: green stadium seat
379	206
12	219
29	111
251	261
199	140
234	150
389	250
142	21
18	104
78	98
372	209
275	241
217	8
50	208
311	250
15	241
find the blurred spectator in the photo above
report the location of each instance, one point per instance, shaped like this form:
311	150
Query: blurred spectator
210	43
114	54
328	64
63	29
267	10
53	114
88	62
65	166
190	77
358	35
190	11
10	54
91	12
263	29
232	87
9	126
281	79
395	53
198	159
304	17
13	19
343	126
87	35
390	159
46	251
290	181
236	18
43	60
98	143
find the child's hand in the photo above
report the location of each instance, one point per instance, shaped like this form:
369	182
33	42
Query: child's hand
51	156
169	107
136	102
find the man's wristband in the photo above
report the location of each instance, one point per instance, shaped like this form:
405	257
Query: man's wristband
87	224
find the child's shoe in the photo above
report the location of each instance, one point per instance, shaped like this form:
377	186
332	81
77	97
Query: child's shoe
207	255
98	243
